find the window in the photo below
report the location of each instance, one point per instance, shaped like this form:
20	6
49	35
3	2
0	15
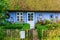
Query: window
51	16
30	16
19	16
40	15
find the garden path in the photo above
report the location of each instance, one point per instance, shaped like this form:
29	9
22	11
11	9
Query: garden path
35	35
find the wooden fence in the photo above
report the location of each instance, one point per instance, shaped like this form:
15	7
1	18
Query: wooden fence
14	34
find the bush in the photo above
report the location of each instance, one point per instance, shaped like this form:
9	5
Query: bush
1	33
13	26
47	21
41	22
51	26
59	21
4	23
26	26
58	26
44	22
21	26
39	28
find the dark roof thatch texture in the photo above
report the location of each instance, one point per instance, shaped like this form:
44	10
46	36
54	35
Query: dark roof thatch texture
36	5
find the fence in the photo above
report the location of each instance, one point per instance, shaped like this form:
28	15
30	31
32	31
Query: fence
14	34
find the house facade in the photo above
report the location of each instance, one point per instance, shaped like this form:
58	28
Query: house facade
31	17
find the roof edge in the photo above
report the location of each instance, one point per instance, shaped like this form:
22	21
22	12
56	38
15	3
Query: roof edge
33	11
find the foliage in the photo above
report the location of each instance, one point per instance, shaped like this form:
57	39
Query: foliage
5	22
26	26
7	15
58	25
13	26
45	26
17	26
47	21
8	25
44	22
1	33
39	28
4	6
51	26
41	22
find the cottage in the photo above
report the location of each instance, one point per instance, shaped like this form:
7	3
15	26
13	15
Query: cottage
33	11
31	17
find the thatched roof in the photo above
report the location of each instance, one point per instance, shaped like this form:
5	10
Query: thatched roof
44	5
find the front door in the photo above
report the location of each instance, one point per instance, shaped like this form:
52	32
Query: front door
30	19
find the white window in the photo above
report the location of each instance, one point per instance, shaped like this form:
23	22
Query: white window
19	16
30	16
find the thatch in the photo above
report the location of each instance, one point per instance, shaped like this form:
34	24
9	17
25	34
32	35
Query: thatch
44	5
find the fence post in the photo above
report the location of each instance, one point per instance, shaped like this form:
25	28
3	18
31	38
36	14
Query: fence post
30	34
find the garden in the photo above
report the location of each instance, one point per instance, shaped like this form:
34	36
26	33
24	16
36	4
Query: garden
12	31
48	30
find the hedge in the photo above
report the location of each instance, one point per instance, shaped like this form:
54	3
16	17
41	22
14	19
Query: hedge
23	26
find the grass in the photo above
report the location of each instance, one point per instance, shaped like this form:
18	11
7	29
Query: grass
47	38
14	38
6	38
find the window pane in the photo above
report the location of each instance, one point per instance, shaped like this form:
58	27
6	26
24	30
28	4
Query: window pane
21	13
21	17
17	13
31	19
17	19
31	13
51	16
40	14
17	16
28	14
28	19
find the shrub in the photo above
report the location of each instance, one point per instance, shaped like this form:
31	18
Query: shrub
41	22
26	26
51	26
39	28
47	21
1	33
21	26
59	21
44	22
13	26
4	23
58	26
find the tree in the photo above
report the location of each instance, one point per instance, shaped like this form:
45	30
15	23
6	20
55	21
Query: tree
3	6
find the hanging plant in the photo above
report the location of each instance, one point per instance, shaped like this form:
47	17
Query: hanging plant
7	15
